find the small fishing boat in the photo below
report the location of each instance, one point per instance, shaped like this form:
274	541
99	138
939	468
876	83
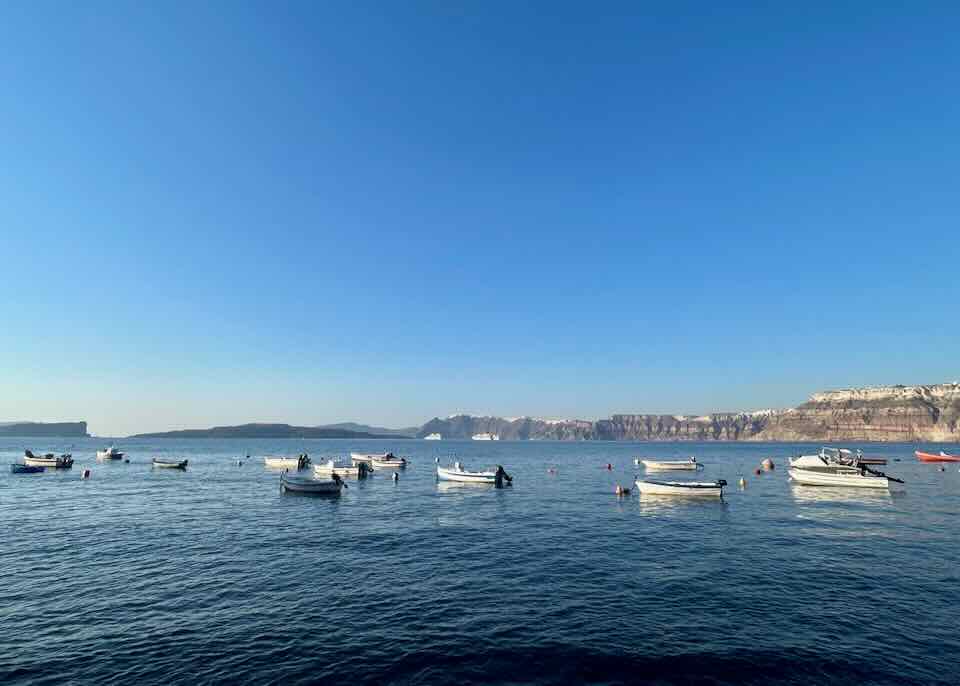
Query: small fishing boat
165	463
298	462
457	472
25	469
110	453
367	457
837	467
299	484
712	489
359	470
389	461
942	457
48	460
690	464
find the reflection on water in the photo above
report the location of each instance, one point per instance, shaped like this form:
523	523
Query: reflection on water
664	504
475	584
462	486
834	494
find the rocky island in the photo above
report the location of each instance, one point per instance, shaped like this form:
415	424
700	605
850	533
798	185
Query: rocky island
42	429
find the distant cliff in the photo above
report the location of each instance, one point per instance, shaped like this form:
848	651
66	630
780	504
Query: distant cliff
265	431
884	413
58	429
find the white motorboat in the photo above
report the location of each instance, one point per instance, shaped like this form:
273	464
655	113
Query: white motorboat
389	461
837	467
457	472
110	453
712	489
344	470
433	437
299	484
48	460
298	462
366	457
690	464
166	463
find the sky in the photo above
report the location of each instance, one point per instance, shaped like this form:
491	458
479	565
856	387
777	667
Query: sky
221	212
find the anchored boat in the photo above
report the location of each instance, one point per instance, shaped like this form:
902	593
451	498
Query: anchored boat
389	461
367	457
327	469
690	464
298	462
942	457
837	467
712	489
457	472
163	463
110	453
48	460
299	484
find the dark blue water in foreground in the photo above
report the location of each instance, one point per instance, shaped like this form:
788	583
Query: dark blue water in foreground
212	576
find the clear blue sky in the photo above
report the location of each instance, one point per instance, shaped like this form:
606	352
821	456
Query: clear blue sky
226	212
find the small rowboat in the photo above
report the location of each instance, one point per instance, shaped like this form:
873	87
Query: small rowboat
162	463
343	470
942	457
299	484
48	460
457	472
25	469
110	453
389	461
693	488
690	464
299	462
356	458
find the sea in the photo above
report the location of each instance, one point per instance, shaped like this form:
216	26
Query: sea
213	576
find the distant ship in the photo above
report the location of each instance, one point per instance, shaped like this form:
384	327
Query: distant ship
486	437
433	437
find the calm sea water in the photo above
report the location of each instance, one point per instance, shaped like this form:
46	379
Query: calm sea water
212	576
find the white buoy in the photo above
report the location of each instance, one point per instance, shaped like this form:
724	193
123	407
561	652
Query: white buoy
396	477
437	460
239	463
85	474
743	482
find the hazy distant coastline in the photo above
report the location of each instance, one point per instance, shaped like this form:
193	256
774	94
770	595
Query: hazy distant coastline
928	413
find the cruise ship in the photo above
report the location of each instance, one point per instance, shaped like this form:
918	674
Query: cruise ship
433	437
486	437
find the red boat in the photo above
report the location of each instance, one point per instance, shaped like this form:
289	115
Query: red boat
942	457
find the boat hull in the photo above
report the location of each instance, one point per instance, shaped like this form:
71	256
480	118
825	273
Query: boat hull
930	457
697	489
684	465
282	462
851	480
350	471
50	463
446	474
366	457
170	464
389	464
313	486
